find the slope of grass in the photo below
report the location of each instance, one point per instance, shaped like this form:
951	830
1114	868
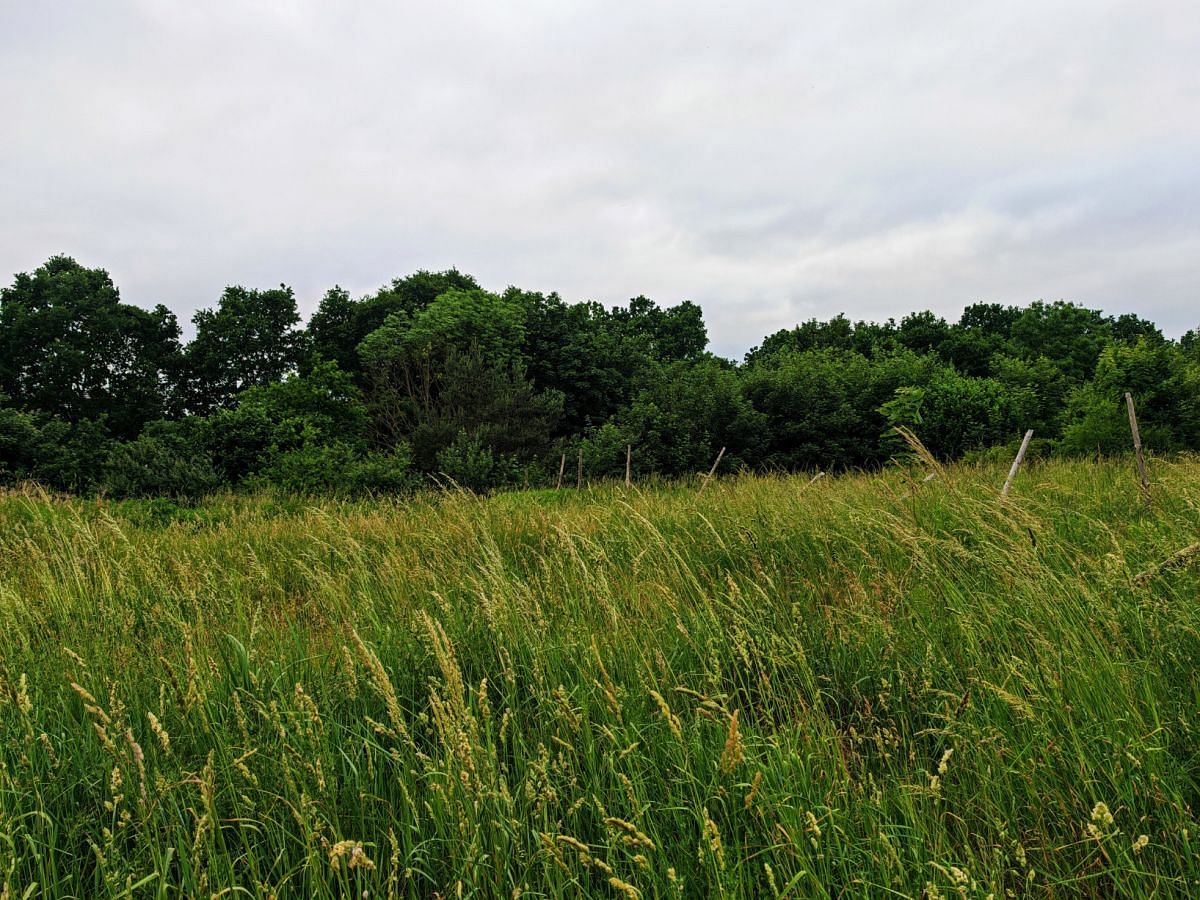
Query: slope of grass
864	686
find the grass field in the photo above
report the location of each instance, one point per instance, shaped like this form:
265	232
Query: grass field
866	686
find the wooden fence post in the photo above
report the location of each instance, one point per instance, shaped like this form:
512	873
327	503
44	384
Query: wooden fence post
712	471
562	466
579	472
1012	473
628	465
1137	449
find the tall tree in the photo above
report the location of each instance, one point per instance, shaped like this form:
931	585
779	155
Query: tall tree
71	348
411	356
340	324
1190	343
593	356
677	332
923	332
836	334
983	331
990	318
1128	327
249	340
1070	335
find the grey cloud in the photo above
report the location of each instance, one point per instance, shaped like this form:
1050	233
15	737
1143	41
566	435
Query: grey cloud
771	161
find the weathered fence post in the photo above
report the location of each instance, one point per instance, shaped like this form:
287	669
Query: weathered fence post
1137	449
628	465
562	466
1012	473
579	472
712	471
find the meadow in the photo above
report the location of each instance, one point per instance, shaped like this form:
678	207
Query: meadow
864	686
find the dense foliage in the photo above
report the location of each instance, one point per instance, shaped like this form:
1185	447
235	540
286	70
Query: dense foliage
867	686
433	378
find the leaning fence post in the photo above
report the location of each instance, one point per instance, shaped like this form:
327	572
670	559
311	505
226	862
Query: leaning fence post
1012	473
712	471
579	472
1137	449
628	465
562	465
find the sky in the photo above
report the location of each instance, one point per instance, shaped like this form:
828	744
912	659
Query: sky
771	161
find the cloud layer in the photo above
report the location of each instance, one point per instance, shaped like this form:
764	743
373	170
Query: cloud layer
771	161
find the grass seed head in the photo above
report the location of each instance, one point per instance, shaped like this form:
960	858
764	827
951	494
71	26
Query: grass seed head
672	720
353	854
164	739
734	753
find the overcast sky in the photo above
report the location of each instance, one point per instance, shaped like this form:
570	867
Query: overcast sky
771	161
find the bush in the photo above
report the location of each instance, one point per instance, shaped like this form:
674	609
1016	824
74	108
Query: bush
384	473
338	469
953	414
58	454
469	463
167	460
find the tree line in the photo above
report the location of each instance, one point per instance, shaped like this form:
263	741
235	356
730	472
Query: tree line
434	378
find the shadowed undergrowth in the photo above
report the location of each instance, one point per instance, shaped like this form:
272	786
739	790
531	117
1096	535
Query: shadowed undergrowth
864	686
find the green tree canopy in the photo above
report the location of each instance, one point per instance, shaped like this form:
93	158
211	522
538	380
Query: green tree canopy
680	420
1070	335
1165	385
340	324
822	406
69	347
249	340
670	334
268	420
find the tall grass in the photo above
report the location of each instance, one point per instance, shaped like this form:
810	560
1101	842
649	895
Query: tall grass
864	686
